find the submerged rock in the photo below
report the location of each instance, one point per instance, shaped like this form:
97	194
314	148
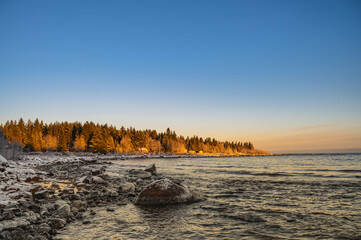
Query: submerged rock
140	174
164	192
152	169
248	217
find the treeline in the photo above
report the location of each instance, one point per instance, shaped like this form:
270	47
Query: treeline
91	137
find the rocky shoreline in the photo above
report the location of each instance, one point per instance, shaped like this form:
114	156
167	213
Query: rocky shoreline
42	194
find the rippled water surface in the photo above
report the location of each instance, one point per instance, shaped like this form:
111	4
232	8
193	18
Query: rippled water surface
298	197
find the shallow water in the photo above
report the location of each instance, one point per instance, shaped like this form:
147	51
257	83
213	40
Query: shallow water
299	197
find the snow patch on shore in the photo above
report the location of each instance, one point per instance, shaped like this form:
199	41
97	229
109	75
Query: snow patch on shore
18	178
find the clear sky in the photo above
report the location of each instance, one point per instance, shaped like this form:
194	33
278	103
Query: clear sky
285	75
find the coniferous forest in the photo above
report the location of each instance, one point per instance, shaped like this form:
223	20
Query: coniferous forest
91	137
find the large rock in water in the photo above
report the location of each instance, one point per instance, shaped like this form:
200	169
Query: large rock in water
164	192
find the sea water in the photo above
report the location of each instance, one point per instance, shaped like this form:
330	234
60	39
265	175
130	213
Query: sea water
287	197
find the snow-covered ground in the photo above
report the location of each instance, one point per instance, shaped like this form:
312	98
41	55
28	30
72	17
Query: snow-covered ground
19	179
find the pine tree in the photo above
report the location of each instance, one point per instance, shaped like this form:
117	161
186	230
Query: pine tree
62	144
96	142
79	144
50	143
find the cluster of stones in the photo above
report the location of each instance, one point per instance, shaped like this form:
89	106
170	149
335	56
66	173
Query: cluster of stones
40	211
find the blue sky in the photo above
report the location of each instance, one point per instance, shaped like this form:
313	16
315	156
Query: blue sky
283	74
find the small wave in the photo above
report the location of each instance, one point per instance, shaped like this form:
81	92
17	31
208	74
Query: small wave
334	170
242	172
225	196
349	171
274	174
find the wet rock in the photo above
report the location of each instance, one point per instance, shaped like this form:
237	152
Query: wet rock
96	172
44	227
112	193
8	215
75	197
152	169
140	174
56	223
53	232
127	187
77	204
82	180
82	209
41	194
165	191
97	180
63	211
74	210
58	203
139	181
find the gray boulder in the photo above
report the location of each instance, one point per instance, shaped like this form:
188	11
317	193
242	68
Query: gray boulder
164	192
